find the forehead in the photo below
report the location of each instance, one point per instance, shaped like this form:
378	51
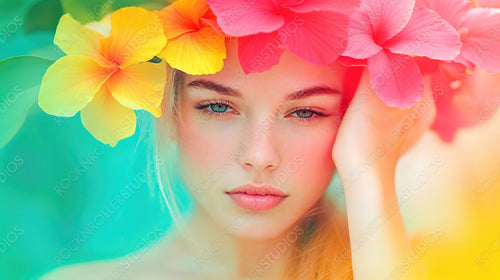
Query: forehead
289	75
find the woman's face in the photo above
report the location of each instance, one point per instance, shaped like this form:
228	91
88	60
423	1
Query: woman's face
258	131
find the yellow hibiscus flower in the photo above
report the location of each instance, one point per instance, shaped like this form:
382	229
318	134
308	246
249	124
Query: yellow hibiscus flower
107	77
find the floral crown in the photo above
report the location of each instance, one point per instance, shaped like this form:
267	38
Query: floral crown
118	65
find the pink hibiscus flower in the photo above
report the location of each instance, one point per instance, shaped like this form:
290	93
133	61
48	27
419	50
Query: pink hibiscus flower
311	29
479	30
466	99
385	34
462	99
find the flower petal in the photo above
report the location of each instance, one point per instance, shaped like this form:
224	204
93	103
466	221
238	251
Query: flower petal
349	61
426	34
258	53
453	11
316	37
467	64
74	39
174	23
140	86
71	83
300	6
448	118
102	27
388	17
471	102
427	65
360	44
196	53
212	23
192	9
482	41
396	79
107	120
242	17
136	36
182	16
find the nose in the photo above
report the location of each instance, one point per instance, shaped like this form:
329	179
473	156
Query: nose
259	147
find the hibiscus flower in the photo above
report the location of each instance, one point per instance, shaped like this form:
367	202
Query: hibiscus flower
196	45
313	30
479	30
107	78
468	96
386	34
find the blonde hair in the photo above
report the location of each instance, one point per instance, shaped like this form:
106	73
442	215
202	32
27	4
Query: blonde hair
322	252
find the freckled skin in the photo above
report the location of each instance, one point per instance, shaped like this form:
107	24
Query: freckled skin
259	139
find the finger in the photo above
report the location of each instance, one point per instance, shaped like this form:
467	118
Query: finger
421	116
367	104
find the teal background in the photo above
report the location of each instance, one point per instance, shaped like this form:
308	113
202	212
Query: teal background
64	196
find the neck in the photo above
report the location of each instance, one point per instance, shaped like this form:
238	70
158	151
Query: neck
218	250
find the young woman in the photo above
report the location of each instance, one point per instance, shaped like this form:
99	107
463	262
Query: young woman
255	152
258	135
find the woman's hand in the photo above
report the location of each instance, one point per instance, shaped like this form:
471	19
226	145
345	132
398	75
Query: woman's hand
373	135
370	140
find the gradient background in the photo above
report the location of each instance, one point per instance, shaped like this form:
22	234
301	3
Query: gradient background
57	183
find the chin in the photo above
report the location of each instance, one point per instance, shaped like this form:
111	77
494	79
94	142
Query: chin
257	226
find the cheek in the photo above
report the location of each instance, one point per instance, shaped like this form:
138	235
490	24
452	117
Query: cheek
317	164
312	162
315	145
203	151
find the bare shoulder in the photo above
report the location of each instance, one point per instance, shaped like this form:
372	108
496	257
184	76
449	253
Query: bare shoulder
91	270
156	261
119	269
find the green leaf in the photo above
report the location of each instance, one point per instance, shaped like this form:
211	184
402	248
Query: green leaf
155	60
20	78
95	10
9	8
87	11
43	15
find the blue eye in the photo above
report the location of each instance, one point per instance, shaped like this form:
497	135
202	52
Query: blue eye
218	108
308	115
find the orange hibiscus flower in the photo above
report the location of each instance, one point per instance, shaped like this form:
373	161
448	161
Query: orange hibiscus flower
196	45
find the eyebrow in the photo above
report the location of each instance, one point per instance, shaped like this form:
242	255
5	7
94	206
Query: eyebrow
300	94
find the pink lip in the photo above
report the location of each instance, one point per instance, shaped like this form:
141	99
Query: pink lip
256	198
